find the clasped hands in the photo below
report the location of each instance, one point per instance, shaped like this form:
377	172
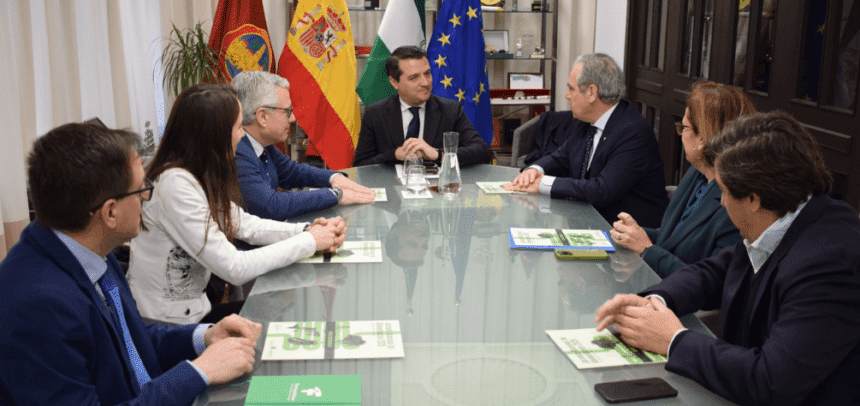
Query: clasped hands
229	350
528	181
643	323
416	146
353	193
329	234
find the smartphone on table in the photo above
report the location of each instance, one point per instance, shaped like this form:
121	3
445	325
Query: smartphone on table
635	390
590	254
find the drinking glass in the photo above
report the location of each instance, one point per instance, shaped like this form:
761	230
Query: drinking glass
411	160
415	181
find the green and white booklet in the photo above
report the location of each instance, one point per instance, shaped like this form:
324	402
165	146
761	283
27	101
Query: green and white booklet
491	188
350	252
587	348
304	390
552	238
314	340
380	194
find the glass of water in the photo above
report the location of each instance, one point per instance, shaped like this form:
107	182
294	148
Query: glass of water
412	160
415	181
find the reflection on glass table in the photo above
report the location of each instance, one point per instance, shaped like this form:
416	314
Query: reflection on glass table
473	312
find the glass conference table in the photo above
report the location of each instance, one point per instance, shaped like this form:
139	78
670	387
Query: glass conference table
472	312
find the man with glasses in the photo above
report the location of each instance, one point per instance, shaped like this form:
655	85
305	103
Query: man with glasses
70	331
262	168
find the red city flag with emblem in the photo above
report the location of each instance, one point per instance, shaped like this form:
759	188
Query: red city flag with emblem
319	61
241	34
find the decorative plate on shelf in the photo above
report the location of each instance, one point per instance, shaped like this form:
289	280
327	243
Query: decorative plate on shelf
495	3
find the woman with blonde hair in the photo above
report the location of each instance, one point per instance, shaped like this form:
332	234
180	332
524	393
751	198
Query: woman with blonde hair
695	225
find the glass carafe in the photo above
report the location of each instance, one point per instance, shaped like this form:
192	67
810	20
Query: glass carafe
449	174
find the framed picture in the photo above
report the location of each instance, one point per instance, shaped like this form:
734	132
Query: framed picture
525	80
496	41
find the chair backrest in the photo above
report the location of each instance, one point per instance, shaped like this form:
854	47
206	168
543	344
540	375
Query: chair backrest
523	142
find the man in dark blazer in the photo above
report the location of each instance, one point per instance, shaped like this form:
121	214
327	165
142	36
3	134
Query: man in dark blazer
551	131
610	158
262	168
788	294
70	332
413	120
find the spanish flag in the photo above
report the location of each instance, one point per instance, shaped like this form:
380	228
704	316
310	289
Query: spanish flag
242	37
319	61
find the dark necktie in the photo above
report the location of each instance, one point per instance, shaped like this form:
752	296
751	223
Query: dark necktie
264	166
414	125
589	141
111	292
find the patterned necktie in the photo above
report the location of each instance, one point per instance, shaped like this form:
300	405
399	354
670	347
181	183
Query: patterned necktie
414	125
264	166
111	292
589	139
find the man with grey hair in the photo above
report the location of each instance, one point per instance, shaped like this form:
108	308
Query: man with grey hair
262	168
610	157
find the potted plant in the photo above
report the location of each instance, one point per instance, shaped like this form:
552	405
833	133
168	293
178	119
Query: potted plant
187	60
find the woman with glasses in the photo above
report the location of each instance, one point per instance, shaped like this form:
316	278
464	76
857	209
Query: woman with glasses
695	225
191	219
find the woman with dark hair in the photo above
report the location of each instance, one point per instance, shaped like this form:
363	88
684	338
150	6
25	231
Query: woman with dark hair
192	218
695	225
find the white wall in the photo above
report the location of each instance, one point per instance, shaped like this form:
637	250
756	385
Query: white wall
610	31
575	37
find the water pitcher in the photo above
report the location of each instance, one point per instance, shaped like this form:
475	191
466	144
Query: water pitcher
449	174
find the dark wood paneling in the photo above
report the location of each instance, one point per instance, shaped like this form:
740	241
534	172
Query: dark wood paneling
667	89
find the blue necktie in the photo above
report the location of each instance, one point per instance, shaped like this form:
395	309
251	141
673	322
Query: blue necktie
589	139
111	292
414	125
264	167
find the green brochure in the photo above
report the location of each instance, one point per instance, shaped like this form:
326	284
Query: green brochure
304	390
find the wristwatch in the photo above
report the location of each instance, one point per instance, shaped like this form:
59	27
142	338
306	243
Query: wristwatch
338	192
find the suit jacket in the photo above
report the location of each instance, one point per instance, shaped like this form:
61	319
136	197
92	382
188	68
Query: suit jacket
382	132
801	325
60	346
259	184
626	171
551	132
707	230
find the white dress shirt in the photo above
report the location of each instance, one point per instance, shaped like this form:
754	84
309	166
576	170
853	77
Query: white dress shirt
407	117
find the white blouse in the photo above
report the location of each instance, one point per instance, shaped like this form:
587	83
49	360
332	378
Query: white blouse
170	265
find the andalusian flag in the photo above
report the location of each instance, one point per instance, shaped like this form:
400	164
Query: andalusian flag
458	64
400	26
240	33
319	61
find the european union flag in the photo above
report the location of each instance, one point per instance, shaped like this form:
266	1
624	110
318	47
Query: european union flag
458	64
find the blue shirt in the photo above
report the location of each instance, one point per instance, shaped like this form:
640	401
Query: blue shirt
95	266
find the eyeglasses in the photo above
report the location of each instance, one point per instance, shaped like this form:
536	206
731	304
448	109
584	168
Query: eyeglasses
679	127
288	110
145	194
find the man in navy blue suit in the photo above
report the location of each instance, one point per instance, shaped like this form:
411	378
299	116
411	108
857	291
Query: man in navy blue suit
788	294
610	158
262	168
70	331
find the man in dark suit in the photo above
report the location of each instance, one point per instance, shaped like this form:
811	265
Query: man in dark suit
413	120
610	158
70	331
551	131
262	168
788	294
